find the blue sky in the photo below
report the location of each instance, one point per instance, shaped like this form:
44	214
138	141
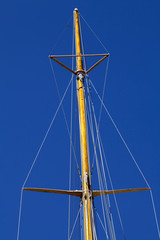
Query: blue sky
29	99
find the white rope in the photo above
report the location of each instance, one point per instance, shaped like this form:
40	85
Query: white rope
20	212
109	216
75	222
93	223
85	68
115	200
81	224
34	161
155	215
99	178
70	161
104	87
85	100
120	135
47	132
104	152
94	33
82	43
100	112
60	35
100	221
98	170
107	167
65	118
107	204
101	99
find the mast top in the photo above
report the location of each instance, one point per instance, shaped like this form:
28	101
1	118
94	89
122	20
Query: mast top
76	9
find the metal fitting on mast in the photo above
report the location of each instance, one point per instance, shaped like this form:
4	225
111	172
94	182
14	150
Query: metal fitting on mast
81	76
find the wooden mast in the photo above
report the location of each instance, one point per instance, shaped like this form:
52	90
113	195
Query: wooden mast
86	196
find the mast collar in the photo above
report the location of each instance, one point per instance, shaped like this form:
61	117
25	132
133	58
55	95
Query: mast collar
80	76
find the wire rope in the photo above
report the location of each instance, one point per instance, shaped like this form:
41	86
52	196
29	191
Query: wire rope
34	161
152	199
115	199
129	151
93	223
65	118
98	169
75	222
85	65
84	92
98	135
99	179
120	134
99	176
107	204
60	35
20	212
93	33
85	68
100	112
70	161
155	214
100	220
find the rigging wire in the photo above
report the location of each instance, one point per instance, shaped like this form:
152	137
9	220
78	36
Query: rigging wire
60	104
106	204
115	199
20	212
82	43
99	124
91	120
75	222
155	214
98	171
61	35
129	151
70	219
99	177
34	161
100	220
108	173
70	161
120	134
152	199
93	33
65	118
100	112
71	146
95	224
83	52
85	67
